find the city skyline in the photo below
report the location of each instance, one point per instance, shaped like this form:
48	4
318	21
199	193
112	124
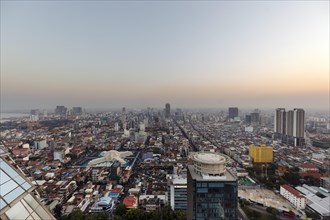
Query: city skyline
189	54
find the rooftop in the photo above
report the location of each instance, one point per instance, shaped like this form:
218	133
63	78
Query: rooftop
209	158
309	165
321	205
292	191
130	201
226	177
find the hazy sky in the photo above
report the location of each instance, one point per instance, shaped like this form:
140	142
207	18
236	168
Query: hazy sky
139	54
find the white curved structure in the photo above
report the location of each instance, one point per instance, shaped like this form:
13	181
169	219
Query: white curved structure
211	164
111	156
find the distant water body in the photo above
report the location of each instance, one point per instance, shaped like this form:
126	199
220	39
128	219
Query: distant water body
11	116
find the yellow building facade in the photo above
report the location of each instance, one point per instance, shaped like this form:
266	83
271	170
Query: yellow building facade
261	154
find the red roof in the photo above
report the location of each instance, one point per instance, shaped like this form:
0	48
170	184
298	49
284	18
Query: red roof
130	201
292	191
21	151
116	190
314	174
309	165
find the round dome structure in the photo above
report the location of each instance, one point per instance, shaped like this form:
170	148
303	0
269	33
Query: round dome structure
212	164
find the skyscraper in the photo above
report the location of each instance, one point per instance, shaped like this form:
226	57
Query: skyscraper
232	112
77	110
34	116
298	123
61	110
279	121
248	119
212	189
289	123
255	118
167	110
123	118
298	126
290	126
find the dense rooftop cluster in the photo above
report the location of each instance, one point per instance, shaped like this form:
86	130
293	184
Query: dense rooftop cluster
93	162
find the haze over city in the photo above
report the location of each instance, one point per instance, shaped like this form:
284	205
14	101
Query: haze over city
109	54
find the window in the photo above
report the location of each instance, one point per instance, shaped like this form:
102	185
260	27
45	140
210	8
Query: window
216	185
202	190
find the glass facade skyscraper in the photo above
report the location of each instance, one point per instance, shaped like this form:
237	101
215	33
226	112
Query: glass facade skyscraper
212	194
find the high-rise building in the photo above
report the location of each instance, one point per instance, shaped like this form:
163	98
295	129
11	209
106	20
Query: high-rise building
179	114
212	189
298	126
255	117
123	118
34	116
177	192
289	123
167	110
17	200
77	110
298	123
232	112
261	154
290	126
248	119
116	126
279	121
61	110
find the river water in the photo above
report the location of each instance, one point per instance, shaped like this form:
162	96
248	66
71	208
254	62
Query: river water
11	116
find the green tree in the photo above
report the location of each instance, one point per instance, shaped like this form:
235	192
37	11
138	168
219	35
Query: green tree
116	217
98	216
292	178
134	214
157	150
167	213
120	210
75	215
247	203
180	215
154	215
58	211
272	210
247	211
294	170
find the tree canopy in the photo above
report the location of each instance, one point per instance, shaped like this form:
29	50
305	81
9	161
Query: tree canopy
165	213
79	215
